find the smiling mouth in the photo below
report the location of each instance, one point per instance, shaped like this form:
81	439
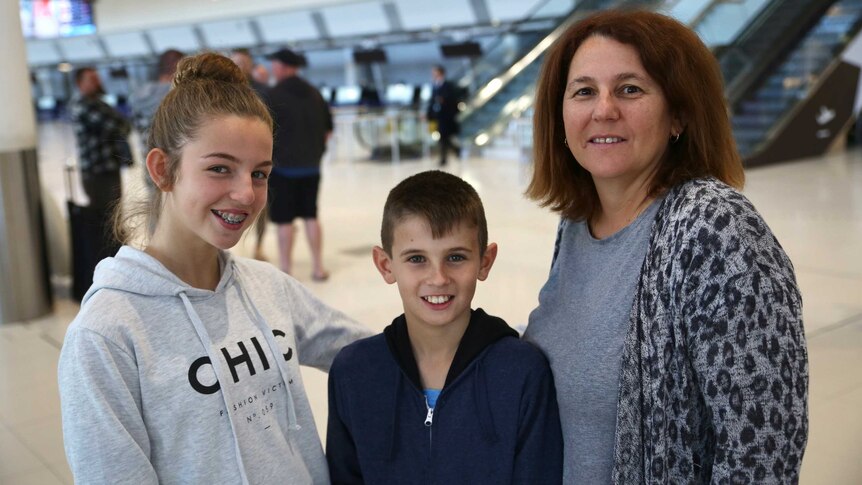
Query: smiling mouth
437	299
230	218
606	140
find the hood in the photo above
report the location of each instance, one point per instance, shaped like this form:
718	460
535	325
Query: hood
134	271
482	331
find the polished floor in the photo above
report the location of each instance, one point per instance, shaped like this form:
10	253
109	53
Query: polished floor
813	206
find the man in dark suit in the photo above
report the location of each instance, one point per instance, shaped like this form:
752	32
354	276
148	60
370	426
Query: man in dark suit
443	109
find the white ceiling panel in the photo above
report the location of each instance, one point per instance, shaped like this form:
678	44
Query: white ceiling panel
126	44
424	14
356	19
509	10
84	48
555	8
287	27
126	15
419	53
228	33
42	52
180	37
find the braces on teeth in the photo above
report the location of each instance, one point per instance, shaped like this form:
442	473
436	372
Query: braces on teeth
231	218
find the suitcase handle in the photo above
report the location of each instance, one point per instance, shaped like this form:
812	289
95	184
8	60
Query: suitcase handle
70	167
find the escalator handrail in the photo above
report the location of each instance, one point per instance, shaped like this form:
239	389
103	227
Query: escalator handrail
463	76
505	75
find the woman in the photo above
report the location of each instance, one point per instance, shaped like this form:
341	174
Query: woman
671	316
183	364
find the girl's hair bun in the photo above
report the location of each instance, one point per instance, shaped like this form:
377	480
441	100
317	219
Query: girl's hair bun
208	66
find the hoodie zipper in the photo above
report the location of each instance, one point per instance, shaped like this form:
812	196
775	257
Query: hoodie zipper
429	420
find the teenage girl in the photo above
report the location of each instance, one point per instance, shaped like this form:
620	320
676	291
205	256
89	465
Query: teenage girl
183	362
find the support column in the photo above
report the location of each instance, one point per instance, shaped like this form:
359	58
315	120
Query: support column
24	284
350	76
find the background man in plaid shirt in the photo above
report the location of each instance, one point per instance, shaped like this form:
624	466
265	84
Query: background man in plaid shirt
101	133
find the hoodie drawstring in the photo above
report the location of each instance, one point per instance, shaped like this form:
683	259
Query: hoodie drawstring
217	367
266	330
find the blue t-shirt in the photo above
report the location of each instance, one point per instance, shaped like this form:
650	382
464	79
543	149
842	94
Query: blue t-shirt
431	396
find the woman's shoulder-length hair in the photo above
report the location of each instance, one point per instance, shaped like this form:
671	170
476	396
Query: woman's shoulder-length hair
690	78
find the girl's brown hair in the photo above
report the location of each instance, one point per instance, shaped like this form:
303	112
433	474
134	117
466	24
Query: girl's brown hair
691	80
205	86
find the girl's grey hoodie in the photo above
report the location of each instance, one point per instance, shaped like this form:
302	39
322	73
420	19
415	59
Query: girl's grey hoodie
161	382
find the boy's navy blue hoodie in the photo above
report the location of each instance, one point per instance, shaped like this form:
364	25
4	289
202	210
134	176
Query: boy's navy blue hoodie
496	420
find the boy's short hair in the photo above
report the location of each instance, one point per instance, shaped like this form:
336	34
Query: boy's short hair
442	199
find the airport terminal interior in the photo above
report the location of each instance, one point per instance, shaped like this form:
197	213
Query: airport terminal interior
782	62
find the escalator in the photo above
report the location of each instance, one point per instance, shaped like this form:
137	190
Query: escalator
755	50
800	102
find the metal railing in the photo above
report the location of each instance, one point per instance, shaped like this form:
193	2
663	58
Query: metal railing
392	134
500	52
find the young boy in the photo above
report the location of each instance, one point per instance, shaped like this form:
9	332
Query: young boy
446	394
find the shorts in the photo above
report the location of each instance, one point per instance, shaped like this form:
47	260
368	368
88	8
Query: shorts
292	197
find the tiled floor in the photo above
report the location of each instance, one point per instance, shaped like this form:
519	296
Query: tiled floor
814	207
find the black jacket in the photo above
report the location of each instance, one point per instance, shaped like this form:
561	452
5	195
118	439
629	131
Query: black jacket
302	121
443	108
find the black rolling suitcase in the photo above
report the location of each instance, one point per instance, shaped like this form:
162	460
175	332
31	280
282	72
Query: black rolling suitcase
90	235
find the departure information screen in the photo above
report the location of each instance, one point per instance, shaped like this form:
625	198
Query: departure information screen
46	19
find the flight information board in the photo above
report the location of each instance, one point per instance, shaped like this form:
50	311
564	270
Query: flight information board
46	19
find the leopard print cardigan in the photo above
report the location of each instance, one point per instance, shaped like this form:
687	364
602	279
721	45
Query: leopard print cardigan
714	384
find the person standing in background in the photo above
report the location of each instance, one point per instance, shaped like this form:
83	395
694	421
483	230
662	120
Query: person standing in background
303	124
444	110
101	134
147	97
260	74
243	59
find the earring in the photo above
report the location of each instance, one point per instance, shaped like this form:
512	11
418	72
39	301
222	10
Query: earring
675	138
565	142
